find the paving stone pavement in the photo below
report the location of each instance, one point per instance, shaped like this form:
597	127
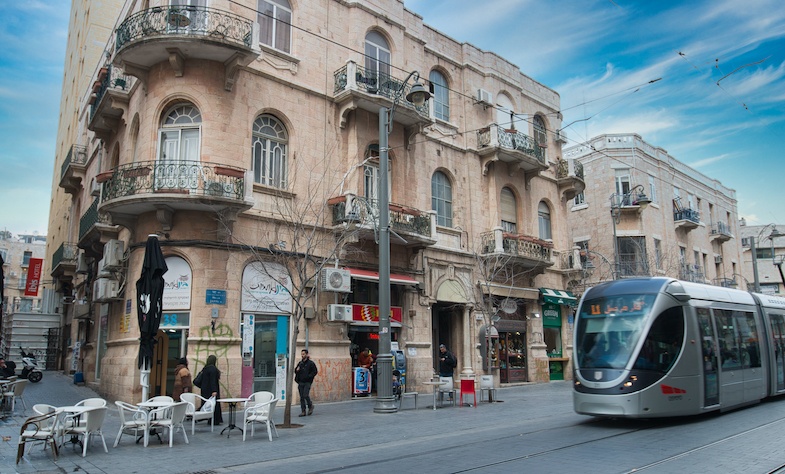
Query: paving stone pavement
334	426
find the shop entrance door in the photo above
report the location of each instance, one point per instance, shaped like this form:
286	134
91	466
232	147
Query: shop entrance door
170	346
264	368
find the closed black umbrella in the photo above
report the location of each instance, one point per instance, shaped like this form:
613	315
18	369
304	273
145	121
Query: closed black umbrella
149	294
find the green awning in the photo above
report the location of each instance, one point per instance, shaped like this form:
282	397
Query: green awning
550	295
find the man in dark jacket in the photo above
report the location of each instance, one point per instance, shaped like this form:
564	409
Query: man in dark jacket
447	361
304	374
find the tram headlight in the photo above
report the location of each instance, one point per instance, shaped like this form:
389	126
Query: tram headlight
630	381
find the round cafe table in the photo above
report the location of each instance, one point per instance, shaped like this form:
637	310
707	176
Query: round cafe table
436	384
232	402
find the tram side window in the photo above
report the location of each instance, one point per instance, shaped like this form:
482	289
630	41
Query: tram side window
664	341
729	344
749	348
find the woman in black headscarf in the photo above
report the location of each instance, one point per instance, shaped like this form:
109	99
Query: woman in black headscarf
211	386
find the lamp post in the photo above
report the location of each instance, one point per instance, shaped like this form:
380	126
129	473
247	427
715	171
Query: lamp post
616	204
385	401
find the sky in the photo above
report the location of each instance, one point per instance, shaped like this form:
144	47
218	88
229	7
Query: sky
719	106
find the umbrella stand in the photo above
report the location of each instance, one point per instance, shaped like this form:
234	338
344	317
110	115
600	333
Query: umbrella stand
144	380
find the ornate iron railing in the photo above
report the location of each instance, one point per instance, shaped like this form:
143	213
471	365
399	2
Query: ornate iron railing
516	244
88	219
109	77
179	177
185	20
77	155
563	168
512	140
364	211
374	82
66	253
687	215
693	273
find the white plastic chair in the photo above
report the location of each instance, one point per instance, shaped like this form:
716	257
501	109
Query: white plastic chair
15	391
259	397
43	408
260	413
94	420
205	413
132	418
170	418
43	428
447	387
91	402
161	398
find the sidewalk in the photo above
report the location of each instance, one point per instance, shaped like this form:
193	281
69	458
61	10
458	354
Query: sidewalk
335	427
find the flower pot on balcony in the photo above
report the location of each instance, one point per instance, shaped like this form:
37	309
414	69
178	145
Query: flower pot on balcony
96	86
92	99
231	172
103	177
102	73
335	200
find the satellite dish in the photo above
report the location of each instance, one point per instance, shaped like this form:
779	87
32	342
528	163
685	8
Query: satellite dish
509	306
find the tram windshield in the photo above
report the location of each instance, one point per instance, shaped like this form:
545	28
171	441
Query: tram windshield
609	328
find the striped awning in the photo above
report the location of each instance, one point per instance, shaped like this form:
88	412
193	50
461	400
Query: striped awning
549	295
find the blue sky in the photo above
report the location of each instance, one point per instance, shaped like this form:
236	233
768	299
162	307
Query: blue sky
592	52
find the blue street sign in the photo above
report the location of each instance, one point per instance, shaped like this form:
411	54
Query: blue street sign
215	296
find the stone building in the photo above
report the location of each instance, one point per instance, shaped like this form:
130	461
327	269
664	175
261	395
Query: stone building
767	244
666	218
246	136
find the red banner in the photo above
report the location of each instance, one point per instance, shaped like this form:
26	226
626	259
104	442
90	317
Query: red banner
33	276
370	313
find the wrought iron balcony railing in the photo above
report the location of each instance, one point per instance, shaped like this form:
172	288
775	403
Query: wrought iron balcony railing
510	139
178	177
77	155
108	78
687	215
498	241
354	77
403	219
185	20
67	253
721	228
88	219
693	273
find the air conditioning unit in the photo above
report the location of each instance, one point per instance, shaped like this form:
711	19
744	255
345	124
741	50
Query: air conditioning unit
95	189
105	289
339	312
718	259
337	280
81	264
113	255
484	97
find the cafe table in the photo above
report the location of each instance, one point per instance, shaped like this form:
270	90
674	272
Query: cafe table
435	384
232	402
76	415
149	406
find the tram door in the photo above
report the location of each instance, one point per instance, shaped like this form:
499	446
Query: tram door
778	343
742	374
711	382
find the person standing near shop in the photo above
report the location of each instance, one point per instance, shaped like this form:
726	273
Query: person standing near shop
209	380
182	379
447	361
304	374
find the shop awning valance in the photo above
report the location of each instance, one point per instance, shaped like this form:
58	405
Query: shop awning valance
550	295
395	278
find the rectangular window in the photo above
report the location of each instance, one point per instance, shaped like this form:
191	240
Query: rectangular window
623	187
632	256
658	254
26	258
4	254
275	24
652	189
579	199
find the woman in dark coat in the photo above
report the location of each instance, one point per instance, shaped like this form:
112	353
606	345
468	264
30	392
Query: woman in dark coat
211	386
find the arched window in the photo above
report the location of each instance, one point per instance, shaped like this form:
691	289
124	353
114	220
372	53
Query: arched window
509	211
540	137
275	24
505	113
441	95
544	218
180	134
377	56
441	198
269	152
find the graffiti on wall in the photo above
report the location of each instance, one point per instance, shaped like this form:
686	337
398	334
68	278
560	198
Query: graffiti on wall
208	344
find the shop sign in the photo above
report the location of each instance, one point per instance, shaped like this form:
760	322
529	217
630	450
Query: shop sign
175	320
551	315
33	276
266	289
177	284
370	313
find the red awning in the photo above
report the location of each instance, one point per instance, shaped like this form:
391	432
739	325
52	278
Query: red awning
395	278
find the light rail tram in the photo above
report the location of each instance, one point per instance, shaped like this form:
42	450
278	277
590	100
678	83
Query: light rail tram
660	347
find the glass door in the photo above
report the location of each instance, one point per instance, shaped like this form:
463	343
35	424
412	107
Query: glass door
264	360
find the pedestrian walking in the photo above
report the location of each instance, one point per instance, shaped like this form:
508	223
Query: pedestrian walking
304	374
209	380
182	379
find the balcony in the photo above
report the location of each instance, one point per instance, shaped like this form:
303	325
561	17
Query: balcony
64	261
720	232
569	176
626	203
108	100
631	267
686	219
177	33
410	227
531	252
166	187
360	88
72	172
510	146
95	230
693	273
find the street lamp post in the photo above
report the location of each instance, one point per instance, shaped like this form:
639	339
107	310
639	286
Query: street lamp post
385	400
616	204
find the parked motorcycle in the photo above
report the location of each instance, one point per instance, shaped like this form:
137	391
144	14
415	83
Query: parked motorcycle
30	370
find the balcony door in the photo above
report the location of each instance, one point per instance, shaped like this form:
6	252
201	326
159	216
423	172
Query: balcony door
187	17
377	58
178	149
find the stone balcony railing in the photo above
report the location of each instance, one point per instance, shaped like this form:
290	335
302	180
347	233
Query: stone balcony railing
532	249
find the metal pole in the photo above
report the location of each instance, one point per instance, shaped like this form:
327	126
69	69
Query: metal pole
385	401
615	247
754	265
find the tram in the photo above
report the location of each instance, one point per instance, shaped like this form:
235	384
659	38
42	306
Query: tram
660	347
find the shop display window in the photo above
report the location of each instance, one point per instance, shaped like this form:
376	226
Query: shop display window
512	357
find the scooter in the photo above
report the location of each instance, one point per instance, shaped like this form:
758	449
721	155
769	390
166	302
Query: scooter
30	370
